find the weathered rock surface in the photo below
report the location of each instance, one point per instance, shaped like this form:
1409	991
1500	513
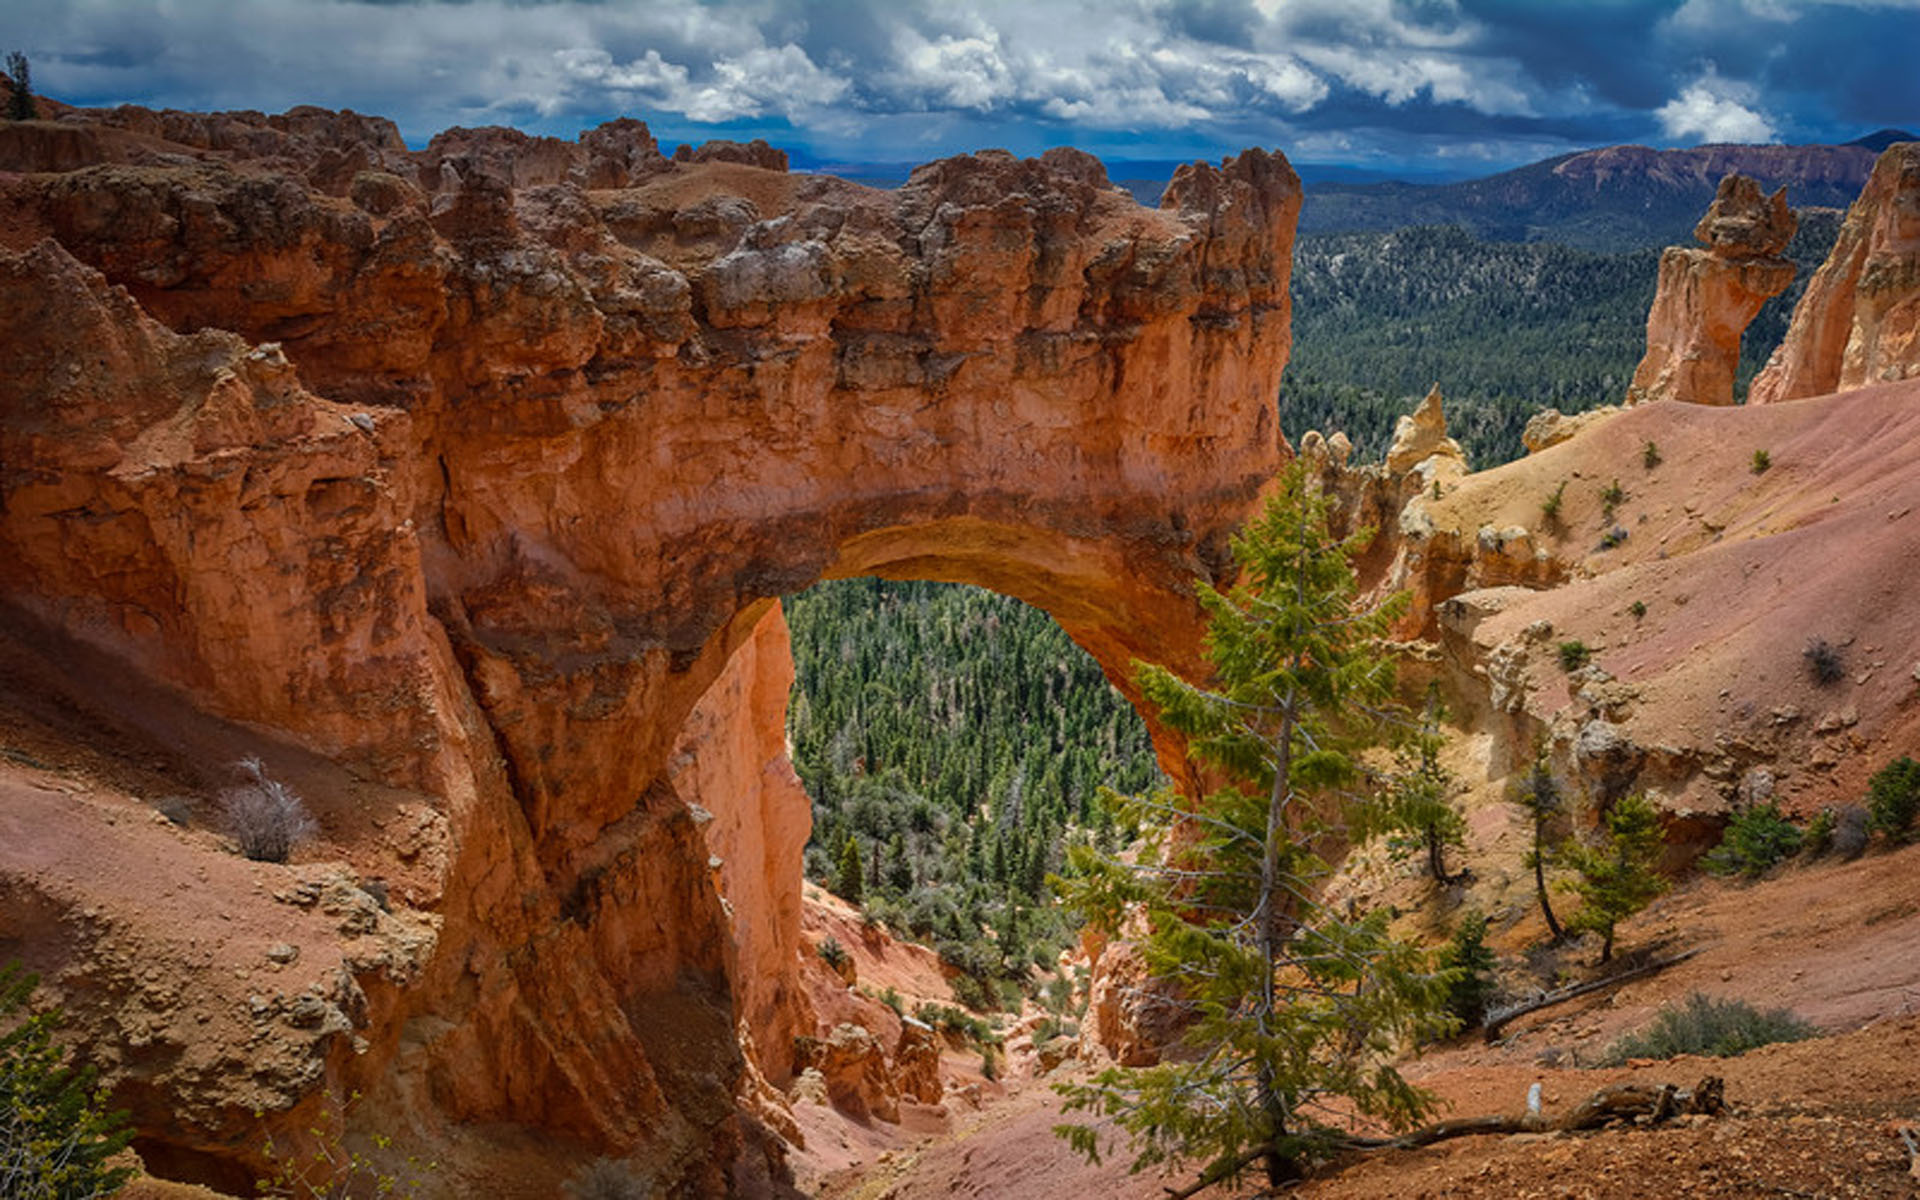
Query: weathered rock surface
473	469
916	1062
859	1083
1859	322
1706	298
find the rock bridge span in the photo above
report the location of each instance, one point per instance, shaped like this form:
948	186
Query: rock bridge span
474	467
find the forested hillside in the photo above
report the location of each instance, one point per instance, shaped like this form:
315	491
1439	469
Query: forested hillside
1505	328
954	738
1612	198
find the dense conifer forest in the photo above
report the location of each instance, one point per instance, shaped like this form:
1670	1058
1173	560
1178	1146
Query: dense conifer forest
955	739
1505	328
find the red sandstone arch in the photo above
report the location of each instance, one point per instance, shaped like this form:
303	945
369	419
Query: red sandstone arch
491	487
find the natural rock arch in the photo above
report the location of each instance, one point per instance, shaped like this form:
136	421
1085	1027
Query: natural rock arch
492	486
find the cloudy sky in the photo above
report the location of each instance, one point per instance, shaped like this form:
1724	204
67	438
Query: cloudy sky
1456	85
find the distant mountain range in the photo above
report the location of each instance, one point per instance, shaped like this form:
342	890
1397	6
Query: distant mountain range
1613	198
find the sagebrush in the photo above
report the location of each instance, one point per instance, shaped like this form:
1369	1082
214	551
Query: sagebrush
1704	1025
264	816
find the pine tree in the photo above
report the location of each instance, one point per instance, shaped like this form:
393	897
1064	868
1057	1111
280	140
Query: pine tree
55	1136
847	880
1417	805
1540	796
1616	878
1470	960
1291	1003
20	106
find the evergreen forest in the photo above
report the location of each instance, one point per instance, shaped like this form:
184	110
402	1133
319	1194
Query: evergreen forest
1505	329
953	741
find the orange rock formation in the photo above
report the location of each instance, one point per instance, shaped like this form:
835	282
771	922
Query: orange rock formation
1859	322
474	468
1706	298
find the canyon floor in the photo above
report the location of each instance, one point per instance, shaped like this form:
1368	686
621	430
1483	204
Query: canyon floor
1839	943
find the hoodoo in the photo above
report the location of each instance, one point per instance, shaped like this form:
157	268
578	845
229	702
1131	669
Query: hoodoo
471	469
1707	297
1859	323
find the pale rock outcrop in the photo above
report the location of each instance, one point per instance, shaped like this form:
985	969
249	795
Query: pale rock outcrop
1859	322
1706	298
916	1062
1422	436
1549	426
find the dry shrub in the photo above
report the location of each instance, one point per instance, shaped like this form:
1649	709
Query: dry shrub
265	816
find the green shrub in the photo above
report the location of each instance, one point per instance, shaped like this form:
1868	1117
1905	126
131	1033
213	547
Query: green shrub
1550	507
972	993
834	954
1819	836
56	1134
1761	461
948	1019
1638	609
1574	655
1703	1025
1612	497
1754	841
1617	536
891	998
1893	798
1650	456
1050	1028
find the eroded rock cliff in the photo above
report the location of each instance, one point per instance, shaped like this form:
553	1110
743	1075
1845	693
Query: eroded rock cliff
474	468
1706	298
1859	322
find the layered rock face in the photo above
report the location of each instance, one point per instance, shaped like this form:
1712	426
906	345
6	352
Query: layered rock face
1706	298
474	468
1859	322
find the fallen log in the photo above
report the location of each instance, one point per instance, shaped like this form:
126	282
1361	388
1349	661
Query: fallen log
1499	1017
1647	1103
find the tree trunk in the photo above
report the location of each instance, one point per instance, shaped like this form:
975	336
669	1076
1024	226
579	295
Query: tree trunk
1436	855
1272	939
1540	880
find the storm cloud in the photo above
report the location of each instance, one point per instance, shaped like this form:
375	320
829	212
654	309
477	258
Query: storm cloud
1388	82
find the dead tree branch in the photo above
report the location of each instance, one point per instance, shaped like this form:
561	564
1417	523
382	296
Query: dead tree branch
1499	1017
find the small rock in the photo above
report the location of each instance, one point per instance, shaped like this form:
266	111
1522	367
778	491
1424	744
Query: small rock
283	953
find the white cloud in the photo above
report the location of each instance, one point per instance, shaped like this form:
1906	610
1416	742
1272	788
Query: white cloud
1712	109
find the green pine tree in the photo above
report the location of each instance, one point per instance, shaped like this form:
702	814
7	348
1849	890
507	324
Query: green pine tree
848	882
55	1133
20	105
1539	794
1470	961
1417	805
1616	879
1292	1005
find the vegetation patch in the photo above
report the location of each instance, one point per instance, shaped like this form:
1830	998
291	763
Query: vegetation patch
1755	840
1706	1026
1893	798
